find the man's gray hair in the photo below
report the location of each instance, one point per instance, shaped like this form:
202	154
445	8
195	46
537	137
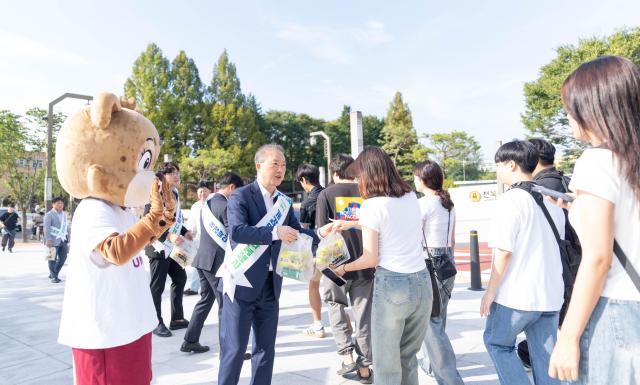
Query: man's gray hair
261	154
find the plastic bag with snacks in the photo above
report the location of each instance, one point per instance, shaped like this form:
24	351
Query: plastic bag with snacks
183	254
296	260
332	250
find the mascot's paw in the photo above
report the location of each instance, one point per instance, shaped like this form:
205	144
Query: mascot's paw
163	206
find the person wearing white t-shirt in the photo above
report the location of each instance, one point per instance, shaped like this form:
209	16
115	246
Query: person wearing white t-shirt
525	291
193	225
107	312
438	225
392	243
599	342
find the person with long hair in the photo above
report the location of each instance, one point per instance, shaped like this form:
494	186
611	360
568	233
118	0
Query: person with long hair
438	226
390	222
599	342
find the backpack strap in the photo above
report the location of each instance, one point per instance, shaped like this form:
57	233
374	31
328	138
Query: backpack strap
628	267
539	201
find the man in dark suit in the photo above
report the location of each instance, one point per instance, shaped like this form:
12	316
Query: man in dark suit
207	261
256	306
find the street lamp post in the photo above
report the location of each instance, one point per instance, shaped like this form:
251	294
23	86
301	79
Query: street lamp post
48	180
327	150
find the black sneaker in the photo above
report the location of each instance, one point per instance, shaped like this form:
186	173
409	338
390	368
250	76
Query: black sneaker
178	324
523	354
162	331
348	368
195	347
190	292
56	280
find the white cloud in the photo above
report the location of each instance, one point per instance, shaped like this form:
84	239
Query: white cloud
333	44
14	46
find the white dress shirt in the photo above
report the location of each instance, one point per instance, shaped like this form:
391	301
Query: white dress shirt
268	203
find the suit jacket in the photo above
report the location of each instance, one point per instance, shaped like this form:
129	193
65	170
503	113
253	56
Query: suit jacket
52	219
245	209
210	255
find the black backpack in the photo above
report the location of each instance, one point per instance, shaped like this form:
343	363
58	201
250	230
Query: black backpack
570	249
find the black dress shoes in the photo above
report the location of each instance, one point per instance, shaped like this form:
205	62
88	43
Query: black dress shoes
195	347
247	356
178	324
162	331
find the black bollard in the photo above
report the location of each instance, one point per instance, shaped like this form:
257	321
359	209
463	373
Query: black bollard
476	281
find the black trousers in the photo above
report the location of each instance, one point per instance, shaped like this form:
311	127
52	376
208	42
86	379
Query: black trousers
160	268
209	293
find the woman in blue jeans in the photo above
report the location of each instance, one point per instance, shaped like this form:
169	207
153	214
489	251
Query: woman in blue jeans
599	342
438	226
390	221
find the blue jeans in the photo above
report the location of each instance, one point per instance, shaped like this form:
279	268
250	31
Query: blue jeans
61	256
503	326
195	280
399	317
610	344
439	358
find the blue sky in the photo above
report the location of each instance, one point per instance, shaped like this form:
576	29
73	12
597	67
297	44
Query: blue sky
460	65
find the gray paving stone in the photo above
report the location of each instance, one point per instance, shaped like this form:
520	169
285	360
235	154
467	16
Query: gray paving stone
30	355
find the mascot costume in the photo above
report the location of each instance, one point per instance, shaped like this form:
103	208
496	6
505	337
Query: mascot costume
105	155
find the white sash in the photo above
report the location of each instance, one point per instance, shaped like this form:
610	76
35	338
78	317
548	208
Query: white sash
212	225
60	233
167	245
237	262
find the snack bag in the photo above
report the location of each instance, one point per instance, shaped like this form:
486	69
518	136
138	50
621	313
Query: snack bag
332	250
296	260
183	254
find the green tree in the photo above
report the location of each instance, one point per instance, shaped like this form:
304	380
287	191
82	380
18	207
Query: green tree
399	138
291	131
209	164
340	133
458	153
20	173
149	84
185	109
37	118
543	114
372	130
234	119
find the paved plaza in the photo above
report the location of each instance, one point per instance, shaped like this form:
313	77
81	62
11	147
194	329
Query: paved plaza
30	313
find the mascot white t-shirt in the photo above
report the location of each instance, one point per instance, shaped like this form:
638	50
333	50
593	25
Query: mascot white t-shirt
104	305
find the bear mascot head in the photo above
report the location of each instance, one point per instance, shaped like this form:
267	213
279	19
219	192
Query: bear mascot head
107	151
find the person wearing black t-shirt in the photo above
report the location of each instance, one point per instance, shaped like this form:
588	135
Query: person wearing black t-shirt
308	176
342	201
9	224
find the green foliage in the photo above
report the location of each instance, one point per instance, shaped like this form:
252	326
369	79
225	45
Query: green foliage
185	108
208	164
399	139
19	143
543	114
372	130
340	132
458	153
149	85
234	120
291	131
